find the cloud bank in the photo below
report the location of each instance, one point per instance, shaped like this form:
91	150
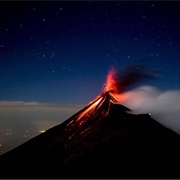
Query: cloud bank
34	114
20	121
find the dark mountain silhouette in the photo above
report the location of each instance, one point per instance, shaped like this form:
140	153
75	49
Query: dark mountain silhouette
102	140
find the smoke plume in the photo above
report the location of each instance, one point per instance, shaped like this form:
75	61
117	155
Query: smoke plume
163	106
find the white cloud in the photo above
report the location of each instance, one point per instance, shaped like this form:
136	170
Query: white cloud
163	106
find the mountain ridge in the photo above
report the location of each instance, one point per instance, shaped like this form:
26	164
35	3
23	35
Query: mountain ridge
102	140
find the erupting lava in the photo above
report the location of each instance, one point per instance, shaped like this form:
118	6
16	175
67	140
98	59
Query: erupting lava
117	83
111	88
110	84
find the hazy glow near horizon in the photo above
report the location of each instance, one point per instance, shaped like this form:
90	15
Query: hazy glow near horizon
21	121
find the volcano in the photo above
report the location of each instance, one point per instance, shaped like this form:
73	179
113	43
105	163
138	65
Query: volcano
102	140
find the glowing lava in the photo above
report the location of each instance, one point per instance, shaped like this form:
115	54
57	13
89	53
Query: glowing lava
111	85
90	108
111	88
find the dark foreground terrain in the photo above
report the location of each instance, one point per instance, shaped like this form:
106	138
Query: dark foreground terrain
107	143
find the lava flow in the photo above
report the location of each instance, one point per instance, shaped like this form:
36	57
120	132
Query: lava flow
110	89
113	88
117	83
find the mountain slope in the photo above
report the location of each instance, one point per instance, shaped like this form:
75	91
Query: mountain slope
101	141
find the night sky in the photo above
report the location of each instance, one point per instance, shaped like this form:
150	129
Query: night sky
61	52
55	57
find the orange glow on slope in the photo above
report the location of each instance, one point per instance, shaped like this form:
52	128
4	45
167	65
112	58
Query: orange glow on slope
90	108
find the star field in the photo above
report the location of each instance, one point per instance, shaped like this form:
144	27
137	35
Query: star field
60	52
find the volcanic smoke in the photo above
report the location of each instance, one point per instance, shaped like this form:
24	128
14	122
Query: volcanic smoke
117	83
162	106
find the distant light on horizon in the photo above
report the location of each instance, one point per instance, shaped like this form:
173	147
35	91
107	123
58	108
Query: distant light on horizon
41	131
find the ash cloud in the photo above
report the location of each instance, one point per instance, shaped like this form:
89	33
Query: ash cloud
164	106
133	74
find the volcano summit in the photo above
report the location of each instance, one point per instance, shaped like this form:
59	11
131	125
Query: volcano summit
102	140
